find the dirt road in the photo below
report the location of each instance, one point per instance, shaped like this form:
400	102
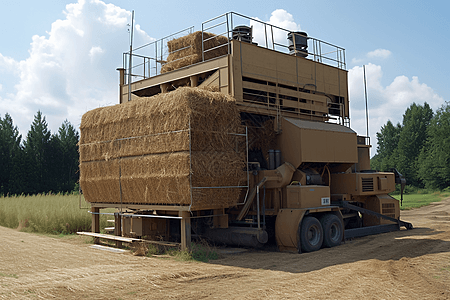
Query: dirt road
400	265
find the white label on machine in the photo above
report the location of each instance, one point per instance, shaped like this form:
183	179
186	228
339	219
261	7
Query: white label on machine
326	201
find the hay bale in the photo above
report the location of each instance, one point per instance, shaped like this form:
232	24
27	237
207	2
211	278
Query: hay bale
100	181
262	136
144	149
187	50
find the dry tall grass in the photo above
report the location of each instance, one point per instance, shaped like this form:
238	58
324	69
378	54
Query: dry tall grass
50	214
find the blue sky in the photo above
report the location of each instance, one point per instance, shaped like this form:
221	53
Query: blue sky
60	56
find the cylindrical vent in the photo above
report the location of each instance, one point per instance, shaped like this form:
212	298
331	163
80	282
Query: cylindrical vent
277	158
243	33
298	43
271	159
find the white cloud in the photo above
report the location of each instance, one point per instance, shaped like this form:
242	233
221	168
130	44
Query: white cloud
280	18
8	65
379	53
357	61
283	19
72	69
143	34
384	102
96	50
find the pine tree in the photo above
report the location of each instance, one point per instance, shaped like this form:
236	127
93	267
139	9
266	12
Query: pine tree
9	148
68	141
35	146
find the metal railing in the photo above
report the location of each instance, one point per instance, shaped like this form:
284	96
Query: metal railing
149	58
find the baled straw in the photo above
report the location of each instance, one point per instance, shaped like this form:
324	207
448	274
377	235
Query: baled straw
187	50
142	147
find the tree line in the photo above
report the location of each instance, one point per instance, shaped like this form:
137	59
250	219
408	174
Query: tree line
419	147
41	163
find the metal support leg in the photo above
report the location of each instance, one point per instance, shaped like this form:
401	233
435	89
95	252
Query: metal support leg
118	228
194	80
95	222
185	230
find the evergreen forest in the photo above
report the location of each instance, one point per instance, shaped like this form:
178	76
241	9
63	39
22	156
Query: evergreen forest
40	163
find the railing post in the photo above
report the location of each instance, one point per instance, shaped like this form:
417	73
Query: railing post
121	82
95	222
118	228
185	230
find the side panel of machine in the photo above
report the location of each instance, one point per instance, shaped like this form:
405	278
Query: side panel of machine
300	196
304	141
293	84
383	204
362	183
271	64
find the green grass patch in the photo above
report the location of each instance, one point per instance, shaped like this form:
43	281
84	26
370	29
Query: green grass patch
8	275
48	214
421	198
200	251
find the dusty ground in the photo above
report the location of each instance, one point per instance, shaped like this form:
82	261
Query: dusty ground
400	265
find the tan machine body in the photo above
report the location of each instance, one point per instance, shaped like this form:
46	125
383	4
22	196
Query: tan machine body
322	184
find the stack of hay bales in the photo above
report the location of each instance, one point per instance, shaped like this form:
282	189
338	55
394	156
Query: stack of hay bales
143	151
187	50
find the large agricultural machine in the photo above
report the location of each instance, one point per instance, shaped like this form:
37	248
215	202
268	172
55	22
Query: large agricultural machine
238	133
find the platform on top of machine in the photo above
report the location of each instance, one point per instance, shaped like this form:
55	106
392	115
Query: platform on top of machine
275	76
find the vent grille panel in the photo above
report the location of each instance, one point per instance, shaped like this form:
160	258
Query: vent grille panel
367	184
388	209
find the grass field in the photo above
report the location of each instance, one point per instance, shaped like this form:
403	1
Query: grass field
421	198
48	214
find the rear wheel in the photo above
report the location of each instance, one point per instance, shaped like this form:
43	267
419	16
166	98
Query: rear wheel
333	231
311	234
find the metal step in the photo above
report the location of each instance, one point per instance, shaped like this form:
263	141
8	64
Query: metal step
109	237
127	239
110	249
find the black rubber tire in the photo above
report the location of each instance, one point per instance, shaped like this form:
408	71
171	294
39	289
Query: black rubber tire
311	234
333	230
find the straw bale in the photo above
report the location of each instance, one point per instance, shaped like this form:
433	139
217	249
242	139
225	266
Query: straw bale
142	149
135	146
211	88
162	178
187	50
162	113
181	62
100	181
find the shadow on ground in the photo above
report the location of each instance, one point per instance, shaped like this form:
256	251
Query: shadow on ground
384	247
